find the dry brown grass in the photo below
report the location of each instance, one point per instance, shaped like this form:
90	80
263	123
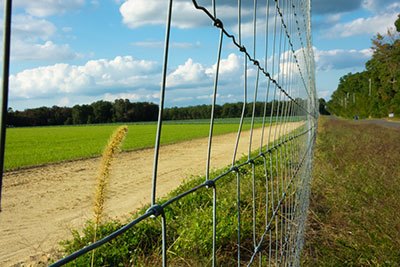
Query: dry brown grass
109	153
353	217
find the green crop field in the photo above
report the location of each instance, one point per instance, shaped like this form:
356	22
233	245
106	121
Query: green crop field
41	145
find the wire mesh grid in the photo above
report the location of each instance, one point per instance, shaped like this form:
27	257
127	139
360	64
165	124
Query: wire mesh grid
280	160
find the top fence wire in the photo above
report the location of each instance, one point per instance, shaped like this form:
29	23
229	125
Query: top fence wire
278	69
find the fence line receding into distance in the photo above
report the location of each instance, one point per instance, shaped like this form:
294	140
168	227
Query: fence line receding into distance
274	43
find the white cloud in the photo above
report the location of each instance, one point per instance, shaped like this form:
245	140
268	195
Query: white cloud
137	13
31	40
188	73
46	51
92	78
341	59
46	8
192	73
381	5
372	25
138	95
30	28
229	66
126	77
195	81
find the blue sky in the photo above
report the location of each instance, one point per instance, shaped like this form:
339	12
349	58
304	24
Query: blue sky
79	51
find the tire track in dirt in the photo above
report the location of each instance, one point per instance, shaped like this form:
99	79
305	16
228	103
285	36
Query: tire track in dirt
41	205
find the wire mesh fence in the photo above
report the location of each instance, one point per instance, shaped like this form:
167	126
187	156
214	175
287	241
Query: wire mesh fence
270	184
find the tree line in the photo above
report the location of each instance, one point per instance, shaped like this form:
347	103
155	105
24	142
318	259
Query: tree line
122	110
374	92
227	110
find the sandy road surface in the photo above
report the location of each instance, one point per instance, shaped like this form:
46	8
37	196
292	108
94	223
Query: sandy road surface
41	205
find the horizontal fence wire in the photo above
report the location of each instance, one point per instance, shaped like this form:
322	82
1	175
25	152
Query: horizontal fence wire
284	75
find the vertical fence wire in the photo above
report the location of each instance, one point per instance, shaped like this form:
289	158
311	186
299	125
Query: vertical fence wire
282	163
214	99
162	100
4	91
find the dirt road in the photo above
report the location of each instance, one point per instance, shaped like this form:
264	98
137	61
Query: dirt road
41	205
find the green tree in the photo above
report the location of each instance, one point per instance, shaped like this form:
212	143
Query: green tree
102	111
120	110
80	114
376	91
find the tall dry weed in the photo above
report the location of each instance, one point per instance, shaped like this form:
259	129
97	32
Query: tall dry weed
103	177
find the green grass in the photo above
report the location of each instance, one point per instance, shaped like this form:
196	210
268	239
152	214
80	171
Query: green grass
354	211
189	225
33	146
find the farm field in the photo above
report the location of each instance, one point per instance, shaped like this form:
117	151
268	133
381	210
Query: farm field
33	146
42	204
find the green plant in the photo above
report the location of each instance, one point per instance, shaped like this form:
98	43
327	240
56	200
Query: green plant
189	223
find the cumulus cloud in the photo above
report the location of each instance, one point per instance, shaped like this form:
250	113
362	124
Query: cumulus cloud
341	59
94	77
359	26
123	77
195	75
139	80
230	66
188	73
48	7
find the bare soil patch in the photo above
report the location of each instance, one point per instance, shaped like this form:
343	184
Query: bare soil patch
41	205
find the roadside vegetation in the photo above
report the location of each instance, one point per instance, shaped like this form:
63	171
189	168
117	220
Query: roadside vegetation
189	228
354	209
189	222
